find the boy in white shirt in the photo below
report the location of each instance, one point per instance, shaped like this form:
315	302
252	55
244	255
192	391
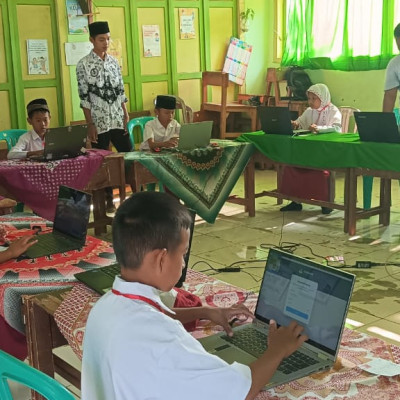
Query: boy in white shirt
163	131
32	143
136	348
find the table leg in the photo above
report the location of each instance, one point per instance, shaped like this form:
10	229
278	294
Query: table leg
385	201
249	188
39	340
350	201
99	211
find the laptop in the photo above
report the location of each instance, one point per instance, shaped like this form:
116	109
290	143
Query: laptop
195	135
102	279
377	127
293	288
70	225
277	120
63	142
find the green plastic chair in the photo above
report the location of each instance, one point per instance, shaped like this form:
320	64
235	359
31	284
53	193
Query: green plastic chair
369	180
11	136
141	122
14	369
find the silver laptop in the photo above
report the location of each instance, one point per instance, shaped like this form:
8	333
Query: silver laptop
293	288
70	225
195	135
63	142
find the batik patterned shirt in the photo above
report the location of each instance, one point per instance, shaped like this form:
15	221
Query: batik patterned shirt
101	90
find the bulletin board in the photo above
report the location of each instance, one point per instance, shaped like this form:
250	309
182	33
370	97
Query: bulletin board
237	59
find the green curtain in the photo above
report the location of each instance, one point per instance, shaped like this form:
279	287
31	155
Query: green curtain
347	35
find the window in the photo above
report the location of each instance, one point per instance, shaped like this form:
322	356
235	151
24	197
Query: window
347	35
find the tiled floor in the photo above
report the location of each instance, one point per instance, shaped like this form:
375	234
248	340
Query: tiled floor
375	305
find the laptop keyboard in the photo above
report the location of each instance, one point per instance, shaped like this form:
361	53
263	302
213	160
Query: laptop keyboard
254	342
52	243
112	270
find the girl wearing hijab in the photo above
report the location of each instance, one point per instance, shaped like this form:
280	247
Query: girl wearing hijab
321	117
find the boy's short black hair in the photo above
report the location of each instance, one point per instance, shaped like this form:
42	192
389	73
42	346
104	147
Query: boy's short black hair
37	105
148	221
397	31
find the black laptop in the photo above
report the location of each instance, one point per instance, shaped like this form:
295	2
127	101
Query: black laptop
377	127
70	225
278	121
101	279
63	142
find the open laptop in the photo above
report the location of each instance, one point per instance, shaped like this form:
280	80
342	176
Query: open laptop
63	142
70	225
101	279
293	288
195	135
277	120
377	127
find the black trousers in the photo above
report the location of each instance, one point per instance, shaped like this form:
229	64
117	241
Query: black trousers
120	141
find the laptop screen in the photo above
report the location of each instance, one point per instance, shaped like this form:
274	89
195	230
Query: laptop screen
315	296
72	212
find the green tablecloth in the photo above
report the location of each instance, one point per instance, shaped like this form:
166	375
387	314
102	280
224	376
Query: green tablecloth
203	178
329	150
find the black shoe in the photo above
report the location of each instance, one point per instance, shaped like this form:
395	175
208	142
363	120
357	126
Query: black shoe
110	208
292	207
326	210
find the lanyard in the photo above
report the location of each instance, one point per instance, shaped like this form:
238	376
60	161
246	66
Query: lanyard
140	298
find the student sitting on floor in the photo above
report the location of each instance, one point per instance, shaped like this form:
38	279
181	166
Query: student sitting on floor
32	142
321	117
135	347
163	131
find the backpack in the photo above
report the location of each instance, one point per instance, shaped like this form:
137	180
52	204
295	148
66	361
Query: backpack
298	82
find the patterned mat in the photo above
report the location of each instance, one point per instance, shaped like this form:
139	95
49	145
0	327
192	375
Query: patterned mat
203	178
345	380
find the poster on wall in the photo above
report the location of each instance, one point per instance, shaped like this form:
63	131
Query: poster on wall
115	50
186	23
237	59
75	51
77	23
151	41
38	56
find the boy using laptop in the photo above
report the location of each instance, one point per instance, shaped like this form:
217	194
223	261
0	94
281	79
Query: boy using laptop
163	131
32	143
135	347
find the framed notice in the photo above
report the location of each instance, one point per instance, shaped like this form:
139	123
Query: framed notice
237	59
186	23
151	41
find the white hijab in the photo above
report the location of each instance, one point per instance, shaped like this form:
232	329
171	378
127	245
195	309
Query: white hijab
322	92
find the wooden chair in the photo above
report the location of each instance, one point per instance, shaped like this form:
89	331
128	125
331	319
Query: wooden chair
274	80
347	113
223	108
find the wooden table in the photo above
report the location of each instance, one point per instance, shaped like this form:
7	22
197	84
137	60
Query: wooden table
110	173
43	335
203	182
344	380
334	152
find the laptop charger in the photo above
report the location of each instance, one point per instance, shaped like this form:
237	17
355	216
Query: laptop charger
230	269
363	264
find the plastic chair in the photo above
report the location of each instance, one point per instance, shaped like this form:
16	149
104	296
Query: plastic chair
347	113
16	370
139	121
11	136
187	112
